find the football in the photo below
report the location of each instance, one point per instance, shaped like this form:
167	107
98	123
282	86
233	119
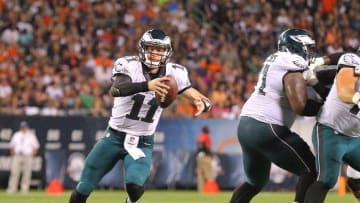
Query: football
165	101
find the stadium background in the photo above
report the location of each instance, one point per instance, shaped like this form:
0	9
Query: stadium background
56	59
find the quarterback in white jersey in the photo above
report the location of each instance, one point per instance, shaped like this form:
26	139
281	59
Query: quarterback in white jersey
264	128
135	116
139	114
336	135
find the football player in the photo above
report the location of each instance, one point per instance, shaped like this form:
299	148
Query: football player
264	128
135	115
336	135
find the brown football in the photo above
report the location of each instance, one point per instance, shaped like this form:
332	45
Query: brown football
170	96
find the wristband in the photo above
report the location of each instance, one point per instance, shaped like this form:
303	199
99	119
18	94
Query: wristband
206	104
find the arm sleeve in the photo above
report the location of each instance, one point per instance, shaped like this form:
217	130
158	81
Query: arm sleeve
334	58
326	76
322	90
311	108
123	86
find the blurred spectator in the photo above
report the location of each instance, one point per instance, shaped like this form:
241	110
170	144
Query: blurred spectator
204	158
71	43
185	108
5	91
24	146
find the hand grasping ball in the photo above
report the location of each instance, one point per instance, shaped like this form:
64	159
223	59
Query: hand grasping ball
165	100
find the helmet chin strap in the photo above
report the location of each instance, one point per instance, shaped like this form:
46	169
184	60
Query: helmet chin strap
152	64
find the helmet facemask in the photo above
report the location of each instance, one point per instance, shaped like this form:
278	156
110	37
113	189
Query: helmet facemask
154	38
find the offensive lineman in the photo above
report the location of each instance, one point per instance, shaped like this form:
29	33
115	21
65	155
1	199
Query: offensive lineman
135	115
264	129
336	135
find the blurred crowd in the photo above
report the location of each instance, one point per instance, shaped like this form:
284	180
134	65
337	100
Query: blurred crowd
56	56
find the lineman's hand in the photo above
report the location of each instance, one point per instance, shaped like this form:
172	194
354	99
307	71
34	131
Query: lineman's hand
159	86
310	77
317	62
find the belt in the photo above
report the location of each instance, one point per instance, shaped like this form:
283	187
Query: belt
123	134
117	132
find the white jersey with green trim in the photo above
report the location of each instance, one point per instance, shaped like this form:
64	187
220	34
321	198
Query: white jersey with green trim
342	117
139	114
268	103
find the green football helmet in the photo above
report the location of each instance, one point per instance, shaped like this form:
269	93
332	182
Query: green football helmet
297	41
158	38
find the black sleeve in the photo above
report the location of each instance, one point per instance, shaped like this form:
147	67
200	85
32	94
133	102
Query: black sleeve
123	86
311	108
326	76
322	90
326	79
334	58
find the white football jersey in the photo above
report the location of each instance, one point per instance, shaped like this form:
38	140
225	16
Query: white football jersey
343	117
268	103
139	114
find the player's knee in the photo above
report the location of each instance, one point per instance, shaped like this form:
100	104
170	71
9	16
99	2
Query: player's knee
259	182
330	181
134	191
84	188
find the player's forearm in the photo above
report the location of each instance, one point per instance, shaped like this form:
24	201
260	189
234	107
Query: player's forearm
345	82
332	59
194	95
128	89
123	86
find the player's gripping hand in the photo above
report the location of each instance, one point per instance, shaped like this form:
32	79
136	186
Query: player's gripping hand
310	74
310	77
316	63
158	85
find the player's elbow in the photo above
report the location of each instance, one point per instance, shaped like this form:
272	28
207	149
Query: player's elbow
115	92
